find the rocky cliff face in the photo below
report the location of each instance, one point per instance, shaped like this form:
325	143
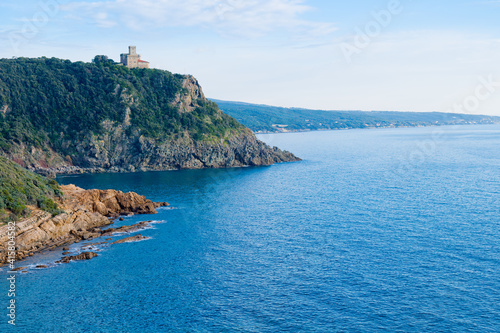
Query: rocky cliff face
116	152
120	153
85	211
200	135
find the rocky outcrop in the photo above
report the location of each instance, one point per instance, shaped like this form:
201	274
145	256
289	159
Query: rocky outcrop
109	203
117	152
85	212
127	228
187	101
81	256
131	239
119	148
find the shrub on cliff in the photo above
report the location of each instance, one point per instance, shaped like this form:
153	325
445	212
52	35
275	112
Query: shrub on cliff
20	188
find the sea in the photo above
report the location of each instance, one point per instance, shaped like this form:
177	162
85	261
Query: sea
375	230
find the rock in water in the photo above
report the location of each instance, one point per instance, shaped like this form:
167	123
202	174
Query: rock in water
135	238
81	256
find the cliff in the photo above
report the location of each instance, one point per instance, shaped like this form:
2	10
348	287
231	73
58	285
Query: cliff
84	213
57	116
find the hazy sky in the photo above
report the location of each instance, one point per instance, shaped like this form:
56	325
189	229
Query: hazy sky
345	55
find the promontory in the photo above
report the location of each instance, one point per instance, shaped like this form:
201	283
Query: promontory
58	116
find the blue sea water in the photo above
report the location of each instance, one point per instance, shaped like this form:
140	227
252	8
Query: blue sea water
389	230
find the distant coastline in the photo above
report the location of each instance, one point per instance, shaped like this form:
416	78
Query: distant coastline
366	128
265	119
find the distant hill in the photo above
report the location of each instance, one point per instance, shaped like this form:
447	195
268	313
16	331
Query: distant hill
265	118
58	116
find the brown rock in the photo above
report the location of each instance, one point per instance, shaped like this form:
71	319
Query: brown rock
100	208
135	238
18	269
85	235
129	228
41	266
81	256
113	203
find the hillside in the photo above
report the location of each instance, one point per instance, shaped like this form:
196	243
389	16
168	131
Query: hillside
60	116
20	188
265	118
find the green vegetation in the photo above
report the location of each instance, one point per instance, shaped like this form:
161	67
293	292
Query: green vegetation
264	118
49	102
20	188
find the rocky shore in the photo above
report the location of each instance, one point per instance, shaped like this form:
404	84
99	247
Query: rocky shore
85	213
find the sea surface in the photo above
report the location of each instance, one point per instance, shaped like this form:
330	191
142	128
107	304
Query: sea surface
387	230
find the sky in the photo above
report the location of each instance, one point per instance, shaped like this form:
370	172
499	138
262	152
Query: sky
388	55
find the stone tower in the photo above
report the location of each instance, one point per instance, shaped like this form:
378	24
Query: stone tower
132	59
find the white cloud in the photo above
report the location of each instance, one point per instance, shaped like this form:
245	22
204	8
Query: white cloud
250	18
